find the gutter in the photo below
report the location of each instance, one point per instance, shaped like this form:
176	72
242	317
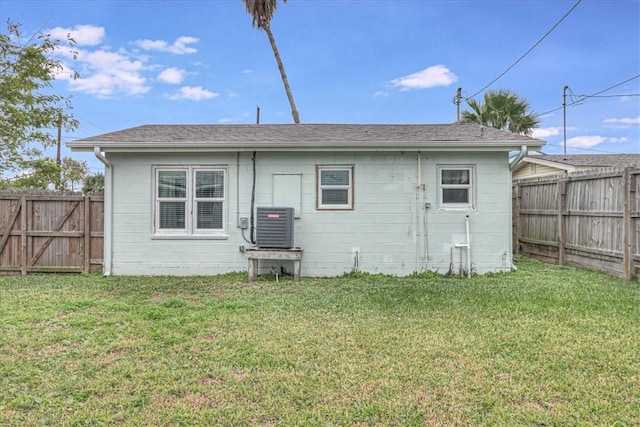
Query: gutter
519	157
108	211
298	146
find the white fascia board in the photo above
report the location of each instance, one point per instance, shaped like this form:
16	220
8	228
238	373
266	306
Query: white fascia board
219	146
539	160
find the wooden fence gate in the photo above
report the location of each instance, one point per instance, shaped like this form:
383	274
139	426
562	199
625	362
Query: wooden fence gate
585	219
57	233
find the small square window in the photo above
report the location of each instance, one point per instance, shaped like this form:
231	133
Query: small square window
335	187
456	187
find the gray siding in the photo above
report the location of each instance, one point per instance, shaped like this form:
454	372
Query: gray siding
388	231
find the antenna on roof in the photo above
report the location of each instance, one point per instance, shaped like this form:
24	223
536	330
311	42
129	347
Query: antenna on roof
257	114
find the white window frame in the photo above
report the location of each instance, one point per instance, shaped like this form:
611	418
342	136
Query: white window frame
321	188
191	201
470	187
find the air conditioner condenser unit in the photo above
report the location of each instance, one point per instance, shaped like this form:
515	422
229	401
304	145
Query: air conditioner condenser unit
274	227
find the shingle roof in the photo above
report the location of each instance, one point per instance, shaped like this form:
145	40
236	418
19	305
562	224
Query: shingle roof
358	134
595	160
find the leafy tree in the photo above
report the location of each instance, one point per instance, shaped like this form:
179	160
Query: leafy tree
72	172
41	173
262	12
502	109
44	173
93	183
28	111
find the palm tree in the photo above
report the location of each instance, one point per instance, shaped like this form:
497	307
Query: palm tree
502	109
262	11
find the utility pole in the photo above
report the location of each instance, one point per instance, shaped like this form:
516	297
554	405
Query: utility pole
457	100
564	116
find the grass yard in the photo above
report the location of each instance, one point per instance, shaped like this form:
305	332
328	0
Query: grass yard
544	346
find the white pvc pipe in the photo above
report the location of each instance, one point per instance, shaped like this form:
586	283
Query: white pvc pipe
468	248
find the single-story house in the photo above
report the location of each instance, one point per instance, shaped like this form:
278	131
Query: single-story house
393	199
534	165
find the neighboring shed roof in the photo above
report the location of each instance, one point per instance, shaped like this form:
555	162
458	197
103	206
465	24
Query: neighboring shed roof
595	160
544	164
307	136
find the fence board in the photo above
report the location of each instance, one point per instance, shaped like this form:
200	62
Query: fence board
51	232
587	219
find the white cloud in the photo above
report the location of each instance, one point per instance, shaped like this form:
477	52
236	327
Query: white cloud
178	47
171	75
238	119
437	75
380	93
83	35
550	131
106	74
624	121
191	93
591	141
546	132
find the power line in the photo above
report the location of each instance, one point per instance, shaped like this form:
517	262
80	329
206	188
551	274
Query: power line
614	86
584	149
614	96
528	51
581	98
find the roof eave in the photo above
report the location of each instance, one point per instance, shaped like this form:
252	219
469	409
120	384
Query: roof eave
219	146
549	163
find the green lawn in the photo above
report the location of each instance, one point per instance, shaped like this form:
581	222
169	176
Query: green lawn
544	346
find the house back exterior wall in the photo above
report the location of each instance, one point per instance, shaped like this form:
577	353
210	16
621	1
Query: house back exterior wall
389	230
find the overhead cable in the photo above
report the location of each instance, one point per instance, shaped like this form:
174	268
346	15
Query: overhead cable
582	98
528	51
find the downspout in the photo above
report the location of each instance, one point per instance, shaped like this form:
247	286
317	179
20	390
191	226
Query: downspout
417	232
108	210
421	207
238	189
519	157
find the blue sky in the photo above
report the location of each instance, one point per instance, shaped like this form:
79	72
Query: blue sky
348	61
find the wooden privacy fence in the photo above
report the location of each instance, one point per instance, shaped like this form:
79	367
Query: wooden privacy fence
51	232
586	219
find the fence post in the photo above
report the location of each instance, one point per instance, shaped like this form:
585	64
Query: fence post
24	256
634	214
87	234
517	193
562	207
627	253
